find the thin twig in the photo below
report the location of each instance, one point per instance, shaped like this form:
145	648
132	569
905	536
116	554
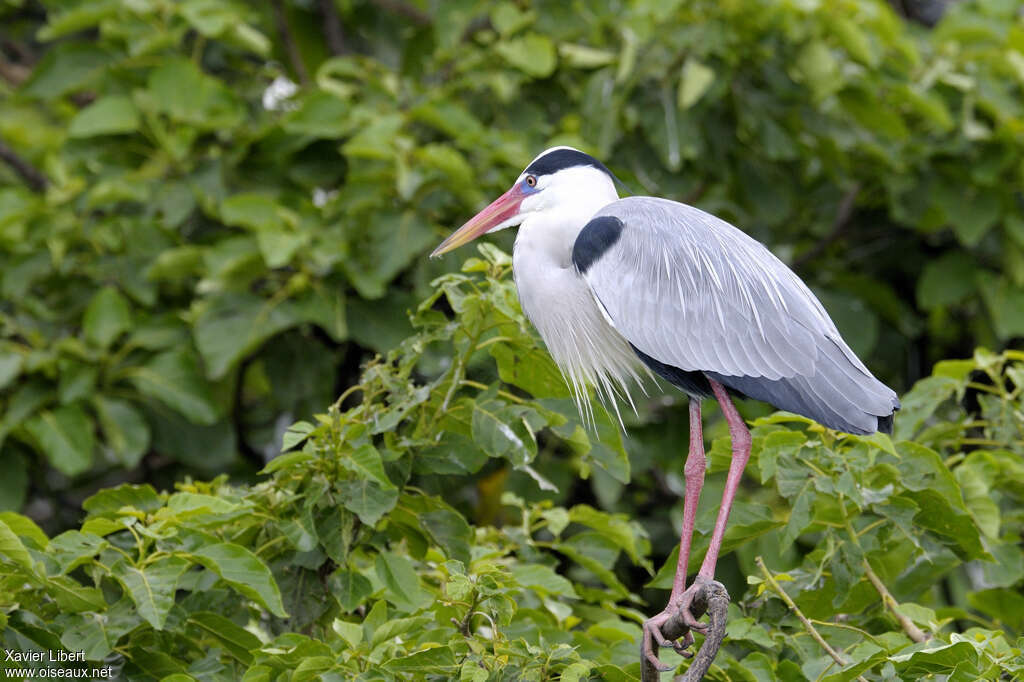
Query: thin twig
285	33
712	598
808	625
15	74
333	31
408	11
697	192
839	223
32	176
915	633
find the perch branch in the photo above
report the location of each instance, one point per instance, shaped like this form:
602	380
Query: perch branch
713	599
915	633
29	173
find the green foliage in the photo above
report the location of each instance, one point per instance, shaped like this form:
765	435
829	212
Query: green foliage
215	252
372	549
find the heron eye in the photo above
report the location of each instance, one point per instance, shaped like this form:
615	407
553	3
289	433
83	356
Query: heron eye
531	180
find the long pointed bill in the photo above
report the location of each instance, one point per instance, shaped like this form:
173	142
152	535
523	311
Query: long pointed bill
501	213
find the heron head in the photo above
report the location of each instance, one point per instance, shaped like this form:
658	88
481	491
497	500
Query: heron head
561	177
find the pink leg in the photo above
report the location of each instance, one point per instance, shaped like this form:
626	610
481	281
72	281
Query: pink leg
696	465
740	435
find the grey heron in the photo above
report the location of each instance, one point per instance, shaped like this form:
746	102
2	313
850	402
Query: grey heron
615	286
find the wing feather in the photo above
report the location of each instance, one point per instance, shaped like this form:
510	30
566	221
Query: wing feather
694	292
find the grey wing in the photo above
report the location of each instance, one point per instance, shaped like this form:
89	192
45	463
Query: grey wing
694	292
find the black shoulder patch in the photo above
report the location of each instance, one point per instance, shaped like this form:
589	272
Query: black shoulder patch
599	235
564	158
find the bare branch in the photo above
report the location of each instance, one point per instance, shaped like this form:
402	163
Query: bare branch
713	599
32	176
411	12
915	633
839	223
285	33
811	630
333	31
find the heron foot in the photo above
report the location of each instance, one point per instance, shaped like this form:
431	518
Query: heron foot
686	601
678	608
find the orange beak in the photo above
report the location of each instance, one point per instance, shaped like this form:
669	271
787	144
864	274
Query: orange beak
501	210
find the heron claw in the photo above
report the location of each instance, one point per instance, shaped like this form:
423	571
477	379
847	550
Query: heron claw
652	628
653	635
681	646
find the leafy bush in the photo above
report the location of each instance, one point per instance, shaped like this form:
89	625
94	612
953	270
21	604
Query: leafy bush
374	549
212	258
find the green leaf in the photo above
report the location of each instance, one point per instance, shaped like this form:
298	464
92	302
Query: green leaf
25	528
543	579
65	68
349	588
110	115
853	39
921	403
210	17
244	571
799	517
367	499
12	549
449	530
86	632
695	81
210	448
971	214
231	326
493	431
533	371
614	528
127	433
946	280
438	660
65	435
11	363
366	461
251	210
352	633
179	89
533	54
108	502
71	596
403	584
375	140
14	484
322	115
77	18
77	380
72	548
389	242
935	657
185	502
1005	303
1005	606
584	56
818	68
174	379
238	641
152	587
